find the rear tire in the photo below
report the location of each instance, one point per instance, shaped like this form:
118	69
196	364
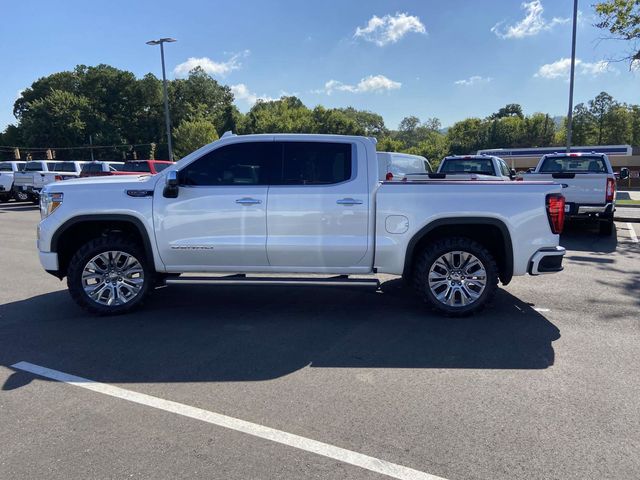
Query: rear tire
606	227
456	276
20	196
110	275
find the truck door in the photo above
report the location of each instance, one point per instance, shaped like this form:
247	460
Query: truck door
318	207
218	220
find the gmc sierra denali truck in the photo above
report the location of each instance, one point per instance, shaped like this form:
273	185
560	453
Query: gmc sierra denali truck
303	204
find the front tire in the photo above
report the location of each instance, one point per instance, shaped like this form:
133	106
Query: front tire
456	276
110	275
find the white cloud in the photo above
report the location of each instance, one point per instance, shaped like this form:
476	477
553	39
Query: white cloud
532	24
562	68
389	29
474	80
242	92
372	83
219	69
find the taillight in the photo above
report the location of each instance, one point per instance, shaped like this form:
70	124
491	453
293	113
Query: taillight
57	178
611	189
389	176
555	212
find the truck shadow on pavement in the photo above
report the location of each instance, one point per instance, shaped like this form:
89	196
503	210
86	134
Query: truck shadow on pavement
201	334
584	237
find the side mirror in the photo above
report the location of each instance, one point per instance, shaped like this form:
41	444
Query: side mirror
171	187
512	173
624	173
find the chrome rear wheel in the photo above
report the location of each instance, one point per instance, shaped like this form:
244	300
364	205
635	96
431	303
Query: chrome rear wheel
457	278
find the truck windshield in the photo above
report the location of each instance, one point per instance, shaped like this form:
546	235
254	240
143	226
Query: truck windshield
33	167
136	167
581	164
482	166
64	167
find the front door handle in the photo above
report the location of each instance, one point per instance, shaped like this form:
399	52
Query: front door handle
349	201
248	201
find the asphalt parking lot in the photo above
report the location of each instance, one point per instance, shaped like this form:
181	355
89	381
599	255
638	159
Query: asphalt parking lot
542	385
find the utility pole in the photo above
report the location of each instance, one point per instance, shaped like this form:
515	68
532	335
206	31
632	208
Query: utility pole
571	78
91	147
167	120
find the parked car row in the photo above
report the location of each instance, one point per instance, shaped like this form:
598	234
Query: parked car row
25	180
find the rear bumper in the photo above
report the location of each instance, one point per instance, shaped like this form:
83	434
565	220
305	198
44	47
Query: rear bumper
547	260
577	210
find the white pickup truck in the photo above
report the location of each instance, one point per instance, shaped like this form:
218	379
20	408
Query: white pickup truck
7	190
303	204
474	167
589	185
38	173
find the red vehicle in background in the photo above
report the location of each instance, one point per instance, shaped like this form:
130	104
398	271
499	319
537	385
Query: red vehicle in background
142	166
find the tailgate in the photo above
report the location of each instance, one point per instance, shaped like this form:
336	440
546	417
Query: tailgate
580	188
22	179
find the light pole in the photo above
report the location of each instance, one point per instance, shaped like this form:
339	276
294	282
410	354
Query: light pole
573	72
161	42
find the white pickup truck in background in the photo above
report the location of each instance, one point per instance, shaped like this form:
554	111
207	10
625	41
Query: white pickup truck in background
38	173
589	185
295	204
401	166
7	190
474	167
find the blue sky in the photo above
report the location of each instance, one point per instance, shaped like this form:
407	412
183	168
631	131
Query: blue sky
447	59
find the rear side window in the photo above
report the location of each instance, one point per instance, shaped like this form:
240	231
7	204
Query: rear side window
142	167
315	163
584	164
161	166
33	167
64	167
249	163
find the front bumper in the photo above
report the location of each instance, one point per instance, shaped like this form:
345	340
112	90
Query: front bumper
49	261
547	260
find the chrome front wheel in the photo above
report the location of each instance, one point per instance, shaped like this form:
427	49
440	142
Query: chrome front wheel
113	278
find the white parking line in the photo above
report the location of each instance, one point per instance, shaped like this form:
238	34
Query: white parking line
542	310
296	441
632	232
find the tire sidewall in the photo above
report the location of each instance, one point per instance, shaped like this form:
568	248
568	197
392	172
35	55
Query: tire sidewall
430	255
89	251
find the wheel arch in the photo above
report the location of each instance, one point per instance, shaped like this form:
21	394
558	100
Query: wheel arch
78	230
496	238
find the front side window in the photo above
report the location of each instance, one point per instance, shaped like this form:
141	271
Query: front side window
5	167
248	163
315	163
505	170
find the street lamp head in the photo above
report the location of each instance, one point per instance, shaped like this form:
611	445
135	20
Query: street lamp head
162	40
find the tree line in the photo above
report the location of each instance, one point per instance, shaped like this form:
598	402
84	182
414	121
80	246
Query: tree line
114	108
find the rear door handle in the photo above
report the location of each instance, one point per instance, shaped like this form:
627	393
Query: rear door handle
349	201
248	201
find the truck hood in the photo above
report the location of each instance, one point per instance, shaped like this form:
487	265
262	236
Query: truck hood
100	183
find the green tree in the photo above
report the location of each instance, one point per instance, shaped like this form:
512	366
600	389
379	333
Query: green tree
622	19
59	119
193	134
467	136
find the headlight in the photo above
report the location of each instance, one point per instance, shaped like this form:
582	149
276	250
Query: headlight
49	202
